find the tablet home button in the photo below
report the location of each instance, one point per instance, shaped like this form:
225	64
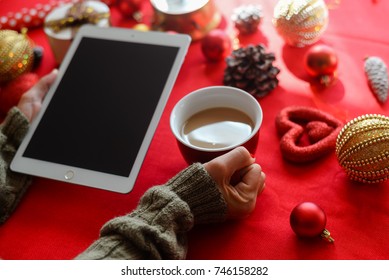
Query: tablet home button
69	175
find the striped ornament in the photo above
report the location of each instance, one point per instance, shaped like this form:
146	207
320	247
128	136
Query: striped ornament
362	148
300	22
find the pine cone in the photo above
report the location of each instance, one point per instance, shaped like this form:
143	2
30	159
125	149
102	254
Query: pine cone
247	18
252	70
377	77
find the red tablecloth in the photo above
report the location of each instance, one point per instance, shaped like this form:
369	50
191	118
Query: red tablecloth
58	220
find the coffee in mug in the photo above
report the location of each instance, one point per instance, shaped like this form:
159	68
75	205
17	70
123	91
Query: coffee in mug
211	121
218	127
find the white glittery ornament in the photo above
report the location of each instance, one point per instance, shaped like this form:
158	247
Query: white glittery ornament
300	22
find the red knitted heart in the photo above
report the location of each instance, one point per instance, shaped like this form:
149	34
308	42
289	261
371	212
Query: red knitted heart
322	129
318	130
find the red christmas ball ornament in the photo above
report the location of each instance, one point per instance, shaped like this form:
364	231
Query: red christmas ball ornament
216	45
321	61
129	8
307	219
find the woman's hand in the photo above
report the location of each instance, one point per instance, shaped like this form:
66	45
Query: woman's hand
239	179
31	101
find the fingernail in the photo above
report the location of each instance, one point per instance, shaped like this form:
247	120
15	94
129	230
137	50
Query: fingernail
252	155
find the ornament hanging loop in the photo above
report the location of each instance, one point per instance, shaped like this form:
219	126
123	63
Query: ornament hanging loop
327	236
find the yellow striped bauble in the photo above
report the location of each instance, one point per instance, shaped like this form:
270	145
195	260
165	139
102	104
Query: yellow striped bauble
362	148
16	54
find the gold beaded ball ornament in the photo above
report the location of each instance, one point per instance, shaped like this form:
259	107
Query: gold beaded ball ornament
300	22
16	54
362	148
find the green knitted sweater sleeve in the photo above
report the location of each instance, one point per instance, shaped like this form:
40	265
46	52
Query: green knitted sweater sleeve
158	227
12	185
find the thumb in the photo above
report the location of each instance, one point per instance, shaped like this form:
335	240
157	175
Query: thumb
237	159
43	85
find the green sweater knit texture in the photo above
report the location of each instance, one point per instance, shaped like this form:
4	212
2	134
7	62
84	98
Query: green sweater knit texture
156	229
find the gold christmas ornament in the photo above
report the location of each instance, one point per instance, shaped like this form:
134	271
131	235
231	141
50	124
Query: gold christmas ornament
362	148
16	54
300	22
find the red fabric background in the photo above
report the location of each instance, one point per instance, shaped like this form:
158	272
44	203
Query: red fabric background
57	220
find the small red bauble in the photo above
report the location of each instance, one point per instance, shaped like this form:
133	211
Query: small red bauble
129	8
321	61
307	219
216	45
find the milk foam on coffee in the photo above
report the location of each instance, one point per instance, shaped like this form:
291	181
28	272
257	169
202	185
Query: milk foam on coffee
217	128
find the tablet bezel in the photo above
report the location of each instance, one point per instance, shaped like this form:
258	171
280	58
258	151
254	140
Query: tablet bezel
92	178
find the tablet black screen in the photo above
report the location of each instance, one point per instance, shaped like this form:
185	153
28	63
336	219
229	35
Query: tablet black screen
100	112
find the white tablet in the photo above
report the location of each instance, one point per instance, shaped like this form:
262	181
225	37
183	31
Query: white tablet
99	117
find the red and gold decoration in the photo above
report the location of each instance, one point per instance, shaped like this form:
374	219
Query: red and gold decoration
30	18
16	54
77	15
308	220
62	23
216	45
362	148
377	77
321	62
251	69
246	18
306	133
195	18
300	22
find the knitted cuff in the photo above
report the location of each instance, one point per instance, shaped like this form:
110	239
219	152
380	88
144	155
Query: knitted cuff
12	185
200	192
15	126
